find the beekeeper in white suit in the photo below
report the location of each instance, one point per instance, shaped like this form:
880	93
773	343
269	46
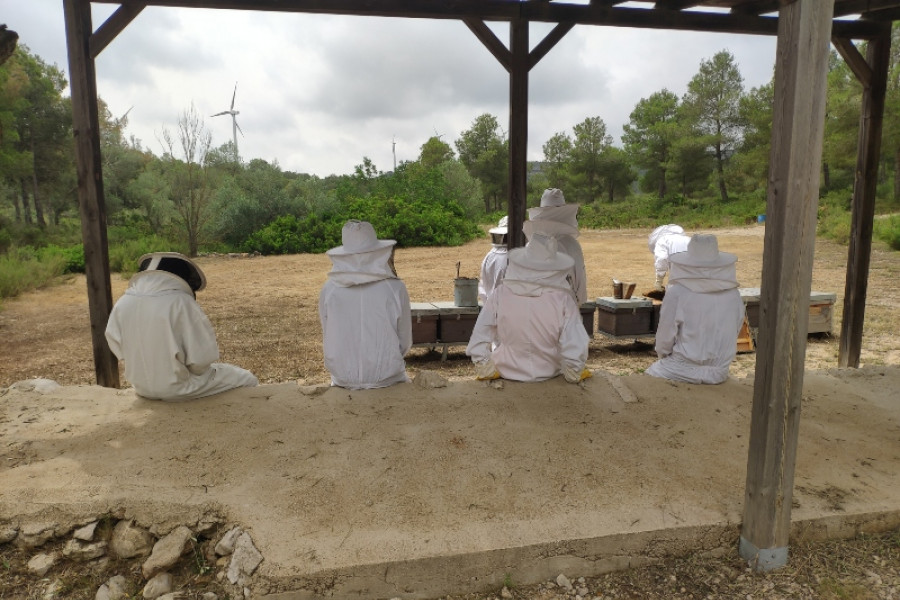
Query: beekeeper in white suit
530	328
701	315
493	267
365	313
558	220
164	337
664	241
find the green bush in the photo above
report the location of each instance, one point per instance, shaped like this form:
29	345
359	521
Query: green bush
887	229
24	271
72	256
124	254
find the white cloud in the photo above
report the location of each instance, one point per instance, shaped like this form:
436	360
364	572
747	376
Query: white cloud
318	93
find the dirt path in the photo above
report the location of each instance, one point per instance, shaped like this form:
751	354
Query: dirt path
264	309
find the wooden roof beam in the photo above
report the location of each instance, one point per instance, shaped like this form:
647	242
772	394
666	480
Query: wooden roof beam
756	7
547	44
674	4
113	26
491	42
867	8
856	61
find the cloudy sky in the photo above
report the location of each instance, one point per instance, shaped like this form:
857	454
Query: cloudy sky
318	93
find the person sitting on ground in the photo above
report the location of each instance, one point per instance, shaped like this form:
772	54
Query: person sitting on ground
701	315
493	267
558	220
364	311
164	337
530	328
664	241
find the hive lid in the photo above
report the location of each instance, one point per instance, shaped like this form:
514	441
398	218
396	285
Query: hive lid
619	303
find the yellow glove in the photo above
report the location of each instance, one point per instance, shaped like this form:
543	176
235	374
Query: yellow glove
486	371
573	376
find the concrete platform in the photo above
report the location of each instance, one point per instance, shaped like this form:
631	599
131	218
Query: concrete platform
414	493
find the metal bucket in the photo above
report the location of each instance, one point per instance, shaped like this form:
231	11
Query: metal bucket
465	291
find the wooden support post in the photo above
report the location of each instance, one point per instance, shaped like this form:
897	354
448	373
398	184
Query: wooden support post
801	63
518	131
863	210
91	204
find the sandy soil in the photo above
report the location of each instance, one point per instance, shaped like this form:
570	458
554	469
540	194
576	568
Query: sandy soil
264	309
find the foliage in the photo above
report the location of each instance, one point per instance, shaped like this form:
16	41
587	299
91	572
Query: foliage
485	153
25	269
887	229
650	134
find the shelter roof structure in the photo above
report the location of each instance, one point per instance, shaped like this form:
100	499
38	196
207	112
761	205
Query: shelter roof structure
804	30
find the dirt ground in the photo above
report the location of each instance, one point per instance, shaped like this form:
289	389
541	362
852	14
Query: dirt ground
264	309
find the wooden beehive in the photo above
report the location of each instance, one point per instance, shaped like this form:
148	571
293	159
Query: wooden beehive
424	322
619	317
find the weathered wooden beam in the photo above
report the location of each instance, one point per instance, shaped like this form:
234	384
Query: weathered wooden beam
547	44
595	13
801	66
863	209
857	63
113	26
756	7
518	132
91	205
863	7
490	41
675	4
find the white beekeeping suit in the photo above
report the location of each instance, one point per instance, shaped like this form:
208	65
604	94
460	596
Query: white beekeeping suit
701	315
164	337
530	328
664	241
558	220
493	267
364	311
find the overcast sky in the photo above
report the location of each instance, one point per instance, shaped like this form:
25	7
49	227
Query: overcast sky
319	93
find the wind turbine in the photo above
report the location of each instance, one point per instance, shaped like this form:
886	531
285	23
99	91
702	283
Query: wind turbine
234	126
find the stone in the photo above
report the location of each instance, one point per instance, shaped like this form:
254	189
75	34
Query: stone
563	582
34	535
159	584
53	590
167	551
40	564
209	596
429	380
41	386
130	541
114	589
244	560
505	593
226	544
313	390
86	533
8	533
82	551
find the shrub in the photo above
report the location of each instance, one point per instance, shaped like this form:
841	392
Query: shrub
887	229
72	256
123	255
24	271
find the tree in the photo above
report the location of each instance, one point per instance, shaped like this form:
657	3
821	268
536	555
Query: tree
485	153
591	141
434	152
191	185
752	161
557	158
891	133
842	108
650	134
615	172
713	100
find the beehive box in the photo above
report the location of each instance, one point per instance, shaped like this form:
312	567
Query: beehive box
424	322
821	308
618	317
456	323
588	312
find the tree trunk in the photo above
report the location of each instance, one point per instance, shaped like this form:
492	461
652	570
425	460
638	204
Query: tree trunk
38	209
720	169
26	210
15	198
897	174
826	176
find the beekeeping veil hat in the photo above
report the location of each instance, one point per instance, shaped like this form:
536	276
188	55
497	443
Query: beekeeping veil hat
175	263
553	217
500	229
659	232
538	265
702	267
362	258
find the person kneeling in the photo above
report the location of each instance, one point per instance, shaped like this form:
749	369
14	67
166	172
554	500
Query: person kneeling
365	313
701	315
164	337
530	328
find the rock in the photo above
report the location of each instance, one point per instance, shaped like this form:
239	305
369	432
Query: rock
52	591
313	390
41	386
33	535
497	384
430	380
167	551
86	533
563	582
129	540
226	544
505	593
244	560
40	564
81	551
159	584
170	596
8	533
114	589
209	596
